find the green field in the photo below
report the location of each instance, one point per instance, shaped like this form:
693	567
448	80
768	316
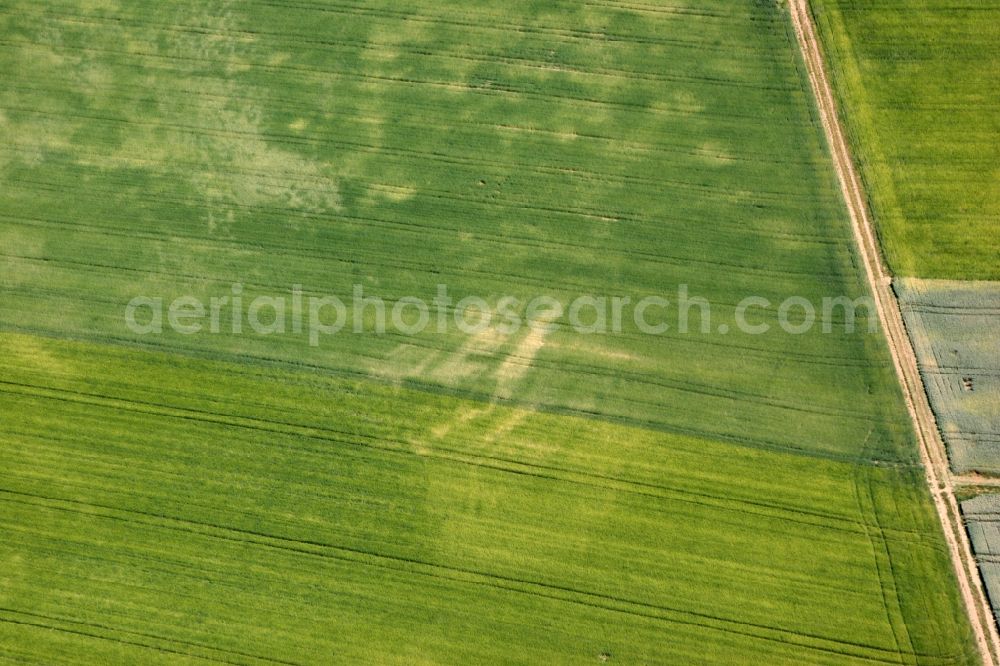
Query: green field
620	171
917	81
440	498
308	524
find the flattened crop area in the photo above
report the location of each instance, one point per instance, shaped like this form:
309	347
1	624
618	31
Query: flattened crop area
441	497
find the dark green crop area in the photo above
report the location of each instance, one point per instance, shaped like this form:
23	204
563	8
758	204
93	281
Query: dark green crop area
918	86
491	497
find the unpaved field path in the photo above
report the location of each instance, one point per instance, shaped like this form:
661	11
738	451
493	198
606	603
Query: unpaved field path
932	449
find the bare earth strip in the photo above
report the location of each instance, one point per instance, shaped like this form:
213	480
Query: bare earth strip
932	450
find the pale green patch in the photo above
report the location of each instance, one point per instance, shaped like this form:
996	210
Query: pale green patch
18	246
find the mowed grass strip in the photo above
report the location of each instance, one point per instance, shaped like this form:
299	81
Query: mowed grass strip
295	520
918	86
618	150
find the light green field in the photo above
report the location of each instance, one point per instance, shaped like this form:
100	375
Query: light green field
440	498
917	81
305	523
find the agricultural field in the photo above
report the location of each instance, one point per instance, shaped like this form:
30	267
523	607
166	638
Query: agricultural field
536	495
982	515
917	81
953	325
575	167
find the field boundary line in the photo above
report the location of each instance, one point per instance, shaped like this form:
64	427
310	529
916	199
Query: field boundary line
932	449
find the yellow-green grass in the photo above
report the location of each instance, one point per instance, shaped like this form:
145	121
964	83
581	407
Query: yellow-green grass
917	83
304	518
